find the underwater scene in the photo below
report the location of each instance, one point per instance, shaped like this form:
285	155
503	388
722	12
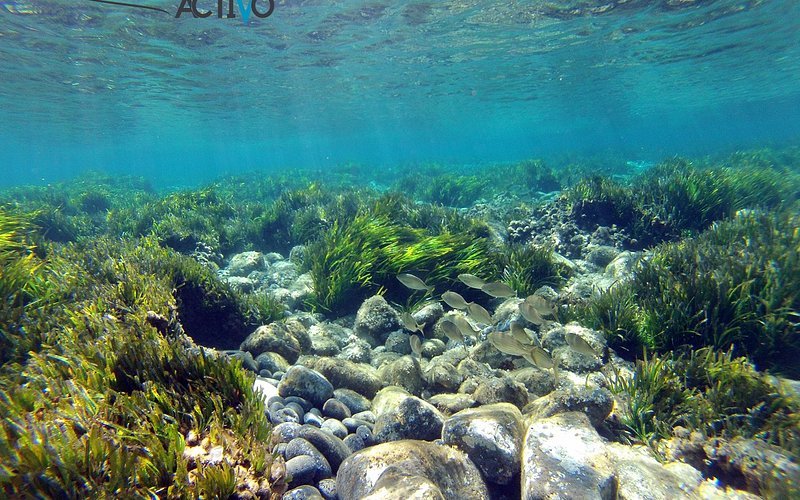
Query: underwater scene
304	249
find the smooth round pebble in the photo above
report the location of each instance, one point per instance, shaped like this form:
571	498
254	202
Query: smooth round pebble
354	442
304	403
312	419
336	409
301	469
284	415
280	449
329	445
366	415
299	410
300	446
275	399
304	492
353	400
285	432
278	375
265	373
315	411
335	427
365	434
327	488
353	423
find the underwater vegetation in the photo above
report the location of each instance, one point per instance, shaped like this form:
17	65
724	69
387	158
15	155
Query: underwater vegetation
527	268
736	285
675	199
101	405
360	257
713	392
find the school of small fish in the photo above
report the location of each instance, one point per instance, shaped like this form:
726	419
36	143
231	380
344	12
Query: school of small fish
518	341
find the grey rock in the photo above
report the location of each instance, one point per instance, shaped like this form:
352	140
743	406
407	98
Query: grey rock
354	423
404	372
334	450
357	351
246	358
283	415
449	403
601	255
288	339
344	374
406	417
563	457
501	390
312	419
398	342
367	415
353	400
305	405
429	314
336	409
305	383
283	433
302	469
440	374
240	284
396	484
327	339
299	447
335	427
375	319
272	361
491	436
305	492
327	488
432	348
447	469
242	264
354	442
595	402
538	382
381	357
365	433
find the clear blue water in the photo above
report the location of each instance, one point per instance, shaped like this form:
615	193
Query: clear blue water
321	83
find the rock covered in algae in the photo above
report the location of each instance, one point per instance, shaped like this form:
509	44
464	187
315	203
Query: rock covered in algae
440	471
375	319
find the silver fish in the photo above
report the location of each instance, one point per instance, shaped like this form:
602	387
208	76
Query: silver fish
498	290
412	282
416	345
471	280
507	344
464	326
410	323
539	357
454	300
479	314
579	344
451	330
523	335
531	314
543	306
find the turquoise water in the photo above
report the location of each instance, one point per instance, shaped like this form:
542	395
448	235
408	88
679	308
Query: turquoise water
322	83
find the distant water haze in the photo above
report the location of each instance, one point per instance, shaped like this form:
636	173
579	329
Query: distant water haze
88	86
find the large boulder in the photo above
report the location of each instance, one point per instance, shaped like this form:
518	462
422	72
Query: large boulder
491	436
307	384
375	320
595	402
430	465
563	457
289	339
404	372
242	264
348	375
403	416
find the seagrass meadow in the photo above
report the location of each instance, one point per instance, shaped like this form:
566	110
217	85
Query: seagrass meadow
128	364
